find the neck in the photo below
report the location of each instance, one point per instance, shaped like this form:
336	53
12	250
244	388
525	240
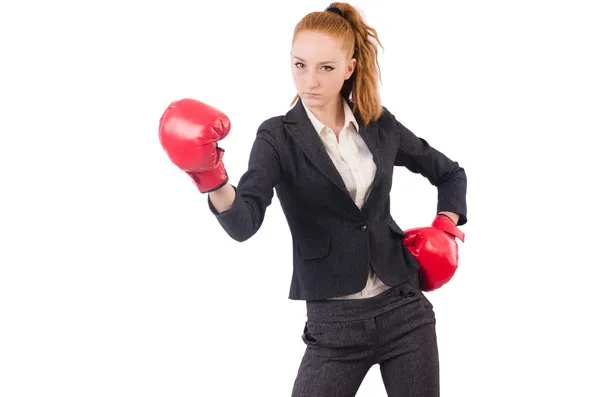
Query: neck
331	114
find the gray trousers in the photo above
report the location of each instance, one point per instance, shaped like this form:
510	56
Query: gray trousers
345	338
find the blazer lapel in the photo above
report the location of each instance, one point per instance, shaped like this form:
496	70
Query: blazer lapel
302	131
370	135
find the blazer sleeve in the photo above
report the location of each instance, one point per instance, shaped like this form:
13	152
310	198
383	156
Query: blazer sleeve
255	189
446	175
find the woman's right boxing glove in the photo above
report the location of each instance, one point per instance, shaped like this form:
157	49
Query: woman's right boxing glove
188	132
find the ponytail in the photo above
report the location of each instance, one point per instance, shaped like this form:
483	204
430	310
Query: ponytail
343	21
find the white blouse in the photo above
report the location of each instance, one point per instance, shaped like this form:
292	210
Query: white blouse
354	162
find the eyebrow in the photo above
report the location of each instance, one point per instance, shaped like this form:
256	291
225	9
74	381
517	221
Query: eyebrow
302	60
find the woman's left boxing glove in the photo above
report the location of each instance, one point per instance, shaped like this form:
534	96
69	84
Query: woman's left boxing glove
436	250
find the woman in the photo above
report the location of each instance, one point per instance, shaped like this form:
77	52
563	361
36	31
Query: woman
330	160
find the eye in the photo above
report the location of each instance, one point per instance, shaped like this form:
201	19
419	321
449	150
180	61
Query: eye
328	68
299	64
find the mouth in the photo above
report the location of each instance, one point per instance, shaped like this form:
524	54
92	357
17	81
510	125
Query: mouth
311	95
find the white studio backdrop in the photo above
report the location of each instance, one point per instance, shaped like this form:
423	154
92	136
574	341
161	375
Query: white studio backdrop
115	279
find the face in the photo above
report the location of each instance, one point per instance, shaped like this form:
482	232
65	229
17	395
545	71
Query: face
319	67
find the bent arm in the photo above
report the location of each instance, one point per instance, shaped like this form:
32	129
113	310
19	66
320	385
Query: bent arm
241	210
447	175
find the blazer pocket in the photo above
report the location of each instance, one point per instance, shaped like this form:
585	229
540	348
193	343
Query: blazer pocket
313	248
396	229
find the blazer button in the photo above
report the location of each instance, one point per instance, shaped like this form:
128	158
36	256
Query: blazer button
362	226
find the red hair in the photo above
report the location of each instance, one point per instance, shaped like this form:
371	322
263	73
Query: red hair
360	41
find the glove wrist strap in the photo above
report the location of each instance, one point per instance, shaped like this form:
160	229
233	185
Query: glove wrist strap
444	223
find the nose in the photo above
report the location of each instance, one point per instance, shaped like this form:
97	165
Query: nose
311	80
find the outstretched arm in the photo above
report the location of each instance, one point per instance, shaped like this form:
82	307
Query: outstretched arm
241	209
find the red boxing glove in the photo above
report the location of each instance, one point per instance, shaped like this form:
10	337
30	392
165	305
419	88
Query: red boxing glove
436	250
189	131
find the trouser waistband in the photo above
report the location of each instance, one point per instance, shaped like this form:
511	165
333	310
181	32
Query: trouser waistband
356	309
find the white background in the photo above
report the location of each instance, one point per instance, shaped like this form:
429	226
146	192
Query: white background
115	280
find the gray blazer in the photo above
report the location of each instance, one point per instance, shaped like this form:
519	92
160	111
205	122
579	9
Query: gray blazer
335	242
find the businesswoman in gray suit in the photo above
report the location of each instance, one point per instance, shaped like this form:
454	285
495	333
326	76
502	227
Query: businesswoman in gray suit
330	160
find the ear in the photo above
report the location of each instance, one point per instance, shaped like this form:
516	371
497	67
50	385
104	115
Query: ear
350	68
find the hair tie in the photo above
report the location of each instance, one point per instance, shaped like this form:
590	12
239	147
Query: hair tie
335	10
